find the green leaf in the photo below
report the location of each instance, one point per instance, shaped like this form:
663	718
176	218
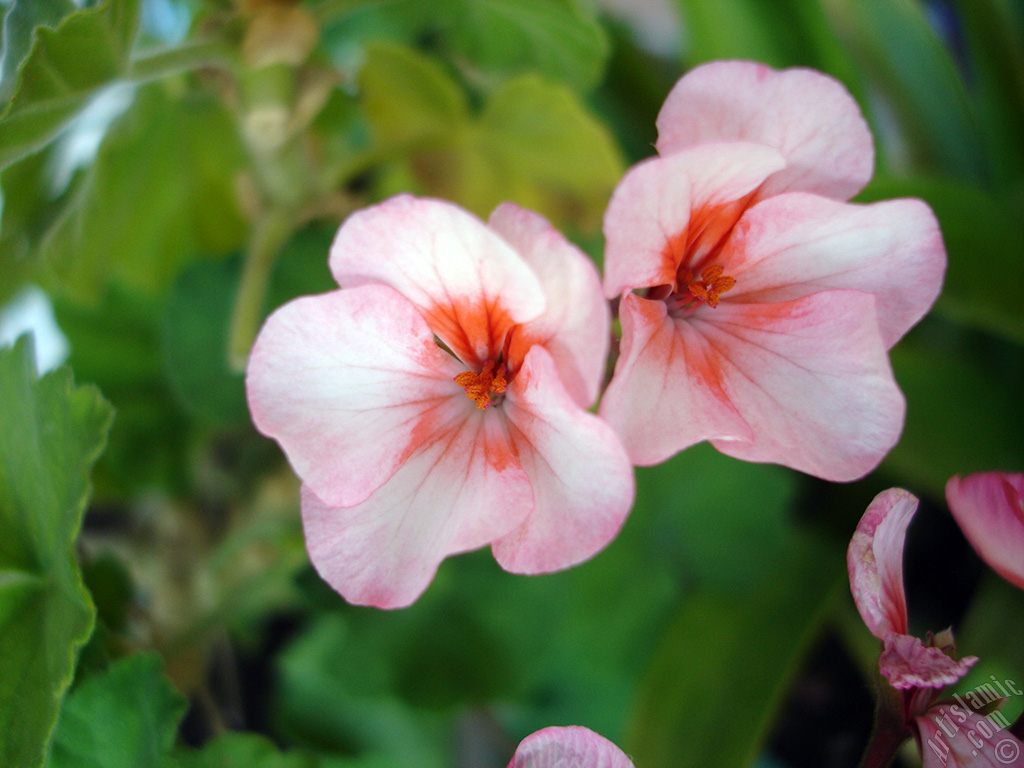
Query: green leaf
116	344
995	58
489	40
317	705
561	39
547	151
730	525
534	142
161	193
410	101
961	418
27	210
729	29
984	238
994	617
724	663
126	717
195	333
894	45
65	67
20	21
245	750
781	33
351	26
50	434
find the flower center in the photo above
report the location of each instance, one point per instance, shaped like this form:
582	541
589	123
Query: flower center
691	293
712	284
485	388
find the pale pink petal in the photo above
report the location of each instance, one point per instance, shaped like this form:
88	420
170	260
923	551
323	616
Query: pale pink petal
667	392
795	244
466	281
349	383
568	747
806	115
989	508
907	663
875	562
460	490
695	195
575	328
952	736
581	477
812	379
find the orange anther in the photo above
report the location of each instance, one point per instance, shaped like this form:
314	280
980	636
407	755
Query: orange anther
712	273
481	386
699	290
723	284
711	286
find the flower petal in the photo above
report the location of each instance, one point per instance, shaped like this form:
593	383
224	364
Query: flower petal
695	194
668	390
989	508
792	245
581	477
952	736
460	490
468	283
908	663
875	562
806	115
576	326
568	747
812	379
349	383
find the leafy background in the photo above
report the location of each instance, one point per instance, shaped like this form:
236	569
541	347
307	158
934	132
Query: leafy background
171	170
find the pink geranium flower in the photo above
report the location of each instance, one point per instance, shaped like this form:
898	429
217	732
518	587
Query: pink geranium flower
758	307
568	747
954	736
989	508
436	402
949	732
875	562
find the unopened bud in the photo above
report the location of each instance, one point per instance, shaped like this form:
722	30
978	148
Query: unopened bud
280	34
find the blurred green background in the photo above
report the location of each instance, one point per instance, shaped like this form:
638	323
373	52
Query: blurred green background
173	170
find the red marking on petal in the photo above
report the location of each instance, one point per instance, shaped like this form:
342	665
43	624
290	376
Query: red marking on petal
475	331
1014	499
500	455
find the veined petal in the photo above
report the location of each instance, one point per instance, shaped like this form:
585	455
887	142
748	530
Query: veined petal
664	201
568	747
806	115
989	508
796	244
468	283
575	328
668	390
460	490
581	477
812	379
953	736
875	562
349	383
908	663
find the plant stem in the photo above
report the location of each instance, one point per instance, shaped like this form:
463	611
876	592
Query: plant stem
270	233
183	58
889	730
